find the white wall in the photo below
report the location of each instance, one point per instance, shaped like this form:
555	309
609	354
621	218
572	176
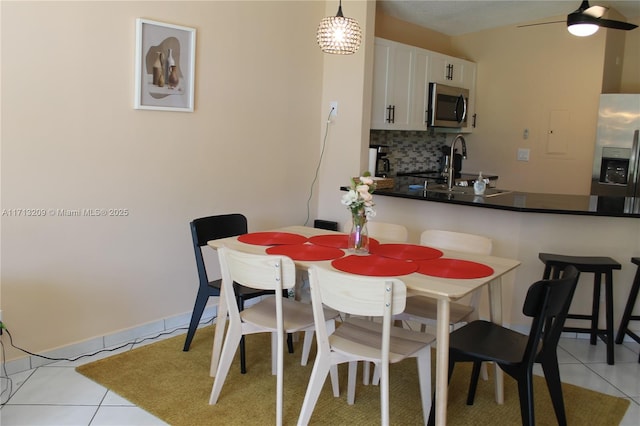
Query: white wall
525	77
543	79
71	139
347	80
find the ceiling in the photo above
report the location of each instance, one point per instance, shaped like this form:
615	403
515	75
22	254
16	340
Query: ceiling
454	17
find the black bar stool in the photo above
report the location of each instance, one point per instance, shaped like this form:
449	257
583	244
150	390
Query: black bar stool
555	263
631	301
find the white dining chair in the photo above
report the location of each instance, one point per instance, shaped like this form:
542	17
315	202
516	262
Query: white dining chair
387	231
423	309
390	232
274	314
358	339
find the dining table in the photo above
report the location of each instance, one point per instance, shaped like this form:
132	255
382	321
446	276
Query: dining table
445	283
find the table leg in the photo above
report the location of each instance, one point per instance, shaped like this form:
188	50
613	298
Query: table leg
495	300
442	361
219	332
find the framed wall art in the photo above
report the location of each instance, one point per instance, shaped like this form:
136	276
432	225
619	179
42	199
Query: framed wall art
165	66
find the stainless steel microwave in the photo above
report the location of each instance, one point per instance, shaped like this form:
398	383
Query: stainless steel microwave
447	106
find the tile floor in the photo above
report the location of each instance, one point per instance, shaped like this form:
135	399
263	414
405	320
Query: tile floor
55	394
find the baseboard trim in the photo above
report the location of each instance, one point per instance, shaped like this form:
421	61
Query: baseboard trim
96	344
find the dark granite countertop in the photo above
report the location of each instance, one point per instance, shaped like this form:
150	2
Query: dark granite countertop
518	201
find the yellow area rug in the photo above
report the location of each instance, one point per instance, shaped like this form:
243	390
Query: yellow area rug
175	386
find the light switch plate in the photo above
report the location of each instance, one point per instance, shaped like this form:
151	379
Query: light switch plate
523	154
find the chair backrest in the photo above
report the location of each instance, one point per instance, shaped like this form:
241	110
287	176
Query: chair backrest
387	231
458	241
355	295
211	228
548	302
258	271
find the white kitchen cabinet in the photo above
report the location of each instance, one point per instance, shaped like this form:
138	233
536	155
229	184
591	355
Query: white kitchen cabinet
401	78
392	97
456	72
451	71
421	90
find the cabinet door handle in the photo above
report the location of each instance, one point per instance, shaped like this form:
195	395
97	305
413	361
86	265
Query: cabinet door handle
474	120
391	114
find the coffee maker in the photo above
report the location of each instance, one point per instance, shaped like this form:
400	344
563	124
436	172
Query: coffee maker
383	166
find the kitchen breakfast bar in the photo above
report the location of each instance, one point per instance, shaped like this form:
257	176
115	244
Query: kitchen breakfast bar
523	225
406	187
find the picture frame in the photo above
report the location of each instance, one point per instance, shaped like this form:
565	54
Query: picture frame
165	66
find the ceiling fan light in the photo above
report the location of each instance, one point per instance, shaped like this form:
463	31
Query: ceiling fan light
339	35
582	30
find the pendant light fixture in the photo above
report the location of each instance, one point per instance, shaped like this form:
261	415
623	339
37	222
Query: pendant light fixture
339	35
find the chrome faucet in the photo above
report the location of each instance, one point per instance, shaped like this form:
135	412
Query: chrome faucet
451	177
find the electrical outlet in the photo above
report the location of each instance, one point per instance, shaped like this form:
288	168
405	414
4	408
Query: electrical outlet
333	106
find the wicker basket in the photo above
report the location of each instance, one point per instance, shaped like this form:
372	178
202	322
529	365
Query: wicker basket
381	183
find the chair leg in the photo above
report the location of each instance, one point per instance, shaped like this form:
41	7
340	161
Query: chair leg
306	347
595	309
525	392
608	288
243	361
376	375
351	382
231	342
424	377
274	353
290	342
484	372
384	393
198	309
279	377
318	376
552	377
335	384
366	372
473	383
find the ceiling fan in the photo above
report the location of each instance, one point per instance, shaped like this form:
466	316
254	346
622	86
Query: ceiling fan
587	19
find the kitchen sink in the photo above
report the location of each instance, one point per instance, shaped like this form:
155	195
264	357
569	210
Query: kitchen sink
464	190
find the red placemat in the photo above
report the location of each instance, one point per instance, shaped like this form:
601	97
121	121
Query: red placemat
337	240
271	238
374	266
454	268
406	251
307	252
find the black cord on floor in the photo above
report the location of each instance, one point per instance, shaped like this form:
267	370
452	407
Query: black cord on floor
5	376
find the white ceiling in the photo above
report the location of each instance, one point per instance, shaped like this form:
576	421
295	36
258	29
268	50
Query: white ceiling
457	17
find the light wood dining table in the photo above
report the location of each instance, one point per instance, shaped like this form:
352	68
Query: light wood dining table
444	290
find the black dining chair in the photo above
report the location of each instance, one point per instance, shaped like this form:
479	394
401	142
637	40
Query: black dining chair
211	228
547	302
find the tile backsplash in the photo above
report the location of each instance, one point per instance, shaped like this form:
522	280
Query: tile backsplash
410	150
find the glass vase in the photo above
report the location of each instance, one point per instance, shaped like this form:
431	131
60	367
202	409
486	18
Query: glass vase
359	237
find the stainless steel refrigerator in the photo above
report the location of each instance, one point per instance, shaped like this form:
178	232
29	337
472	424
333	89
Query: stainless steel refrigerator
616	162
